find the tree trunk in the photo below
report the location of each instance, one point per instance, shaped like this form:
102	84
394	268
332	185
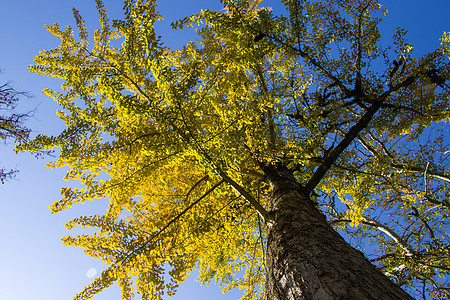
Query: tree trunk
307	259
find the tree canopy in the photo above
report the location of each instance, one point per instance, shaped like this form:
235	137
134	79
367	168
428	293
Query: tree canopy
179	141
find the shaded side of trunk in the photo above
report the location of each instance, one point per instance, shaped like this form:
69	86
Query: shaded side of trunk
307	259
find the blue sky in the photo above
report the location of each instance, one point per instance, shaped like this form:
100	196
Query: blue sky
35	264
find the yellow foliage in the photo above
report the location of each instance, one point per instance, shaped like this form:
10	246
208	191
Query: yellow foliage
174	139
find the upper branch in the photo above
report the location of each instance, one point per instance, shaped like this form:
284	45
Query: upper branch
351	135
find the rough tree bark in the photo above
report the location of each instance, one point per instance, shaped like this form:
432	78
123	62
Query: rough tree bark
307	259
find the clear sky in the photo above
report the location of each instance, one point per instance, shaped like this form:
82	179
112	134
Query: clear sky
35	265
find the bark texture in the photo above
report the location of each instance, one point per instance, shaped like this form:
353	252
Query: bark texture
307	259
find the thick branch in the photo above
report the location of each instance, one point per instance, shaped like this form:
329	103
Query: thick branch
246	195
391	233
415	169
332	157
385	229
404	167
351	135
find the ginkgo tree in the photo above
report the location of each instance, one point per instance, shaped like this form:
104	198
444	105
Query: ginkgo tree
241	153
